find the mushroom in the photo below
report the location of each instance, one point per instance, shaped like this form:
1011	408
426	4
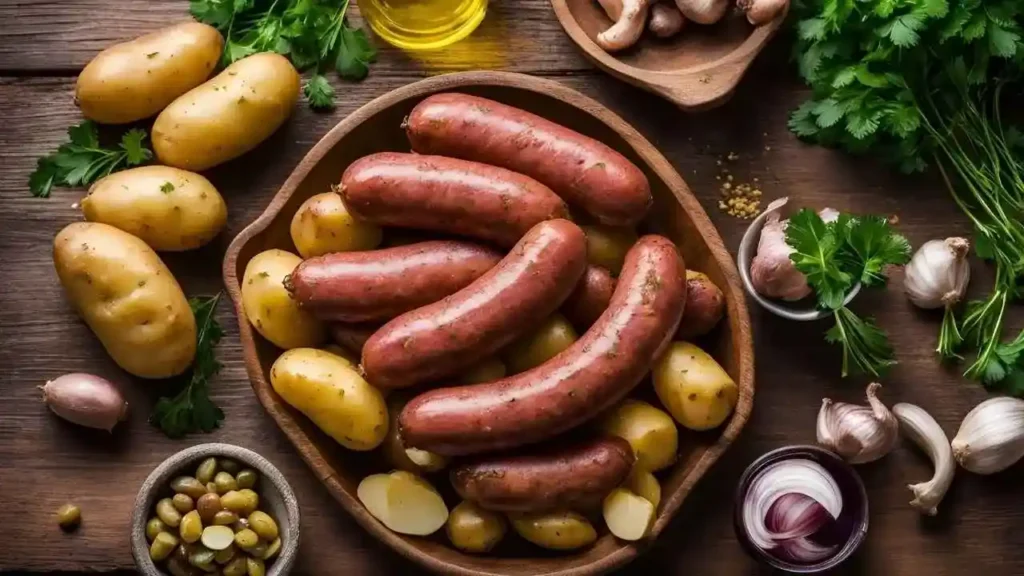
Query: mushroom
666	20
630	16
703	11
761	11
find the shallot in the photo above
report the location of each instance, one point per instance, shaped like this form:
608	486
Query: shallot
86	400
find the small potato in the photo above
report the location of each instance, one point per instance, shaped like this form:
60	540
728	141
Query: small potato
486	371
564	530
323	225
628	516
409	459
698	393
404	502
136	79
544	343
269	307
473	529
650	431
169	209
227	115
643	483
128	297
328	390
705	306
607	246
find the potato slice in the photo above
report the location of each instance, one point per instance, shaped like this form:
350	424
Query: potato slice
650	431
644	484
628	516
404	502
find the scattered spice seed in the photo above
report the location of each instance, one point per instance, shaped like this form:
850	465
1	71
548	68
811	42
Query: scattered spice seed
739	199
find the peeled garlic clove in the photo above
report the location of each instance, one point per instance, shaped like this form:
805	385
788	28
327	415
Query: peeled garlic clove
991	437
938	273
858	434
924	431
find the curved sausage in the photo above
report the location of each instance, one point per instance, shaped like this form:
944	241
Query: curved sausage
447	195
705	306
590	298
574	477
583	171
352	337
442	338
381	284
598	370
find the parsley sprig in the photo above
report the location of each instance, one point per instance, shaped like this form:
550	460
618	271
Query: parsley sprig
313	34
191	410
82	160
835	256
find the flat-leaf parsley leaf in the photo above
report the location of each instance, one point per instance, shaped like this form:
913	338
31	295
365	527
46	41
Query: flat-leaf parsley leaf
82	160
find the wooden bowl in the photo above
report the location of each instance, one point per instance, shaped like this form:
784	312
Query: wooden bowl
677	214
697	69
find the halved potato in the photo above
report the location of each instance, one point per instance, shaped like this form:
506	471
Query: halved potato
650	431
643	483
628	516
404	502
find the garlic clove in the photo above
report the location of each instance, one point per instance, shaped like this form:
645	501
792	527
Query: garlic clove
772	273
991	437
926	433
859	434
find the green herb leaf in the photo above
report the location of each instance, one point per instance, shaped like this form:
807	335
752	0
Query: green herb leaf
870	246
864	344
355	53
319	93
83	160
167	187
815	246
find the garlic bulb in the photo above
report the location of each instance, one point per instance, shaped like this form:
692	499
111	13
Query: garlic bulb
924	431
938	273
772	273
858	433
991	437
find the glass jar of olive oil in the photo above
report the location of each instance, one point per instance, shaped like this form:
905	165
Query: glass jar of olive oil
423	24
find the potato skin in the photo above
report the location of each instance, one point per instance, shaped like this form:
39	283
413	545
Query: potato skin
227	115
136	79
473	529
562	530
694	388
128	297
269	307
607	246
323	225
705	306
650	432
331	393
169	209
543	343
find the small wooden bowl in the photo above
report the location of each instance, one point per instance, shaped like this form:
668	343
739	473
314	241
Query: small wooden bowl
697	69
677	214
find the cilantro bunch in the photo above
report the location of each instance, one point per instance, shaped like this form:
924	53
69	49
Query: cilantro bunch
921	83
837	255
313	34
82	160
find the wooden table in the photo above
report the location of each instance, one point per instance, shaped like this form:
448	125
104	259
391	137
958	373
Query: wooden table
45	462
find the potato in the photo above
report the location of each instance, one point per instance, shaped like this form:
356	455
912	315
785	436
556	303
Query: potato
562	530
693	387
136	79
607	246
542	344
628	516
650	431
486	371
323	225
271	309
329	390
408	459
473	529
403	502
705	306
227	115
644	484
128	297
168	208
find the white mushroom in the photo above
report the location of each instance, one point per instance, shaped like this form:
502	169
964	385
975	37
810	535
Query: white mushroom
761	11
630	16
703	11
666	20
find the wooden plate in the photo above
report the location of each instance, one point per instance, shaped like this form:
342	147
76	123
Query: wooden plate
677	214
697	69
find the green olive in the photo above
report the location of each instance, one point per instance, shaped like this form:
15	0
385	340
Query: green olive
273	549
183	503
69	517
211	487
201	557
208	505
162	546
255	567
225	482
246	478
262	524
233	501
258	550
154	527
167	513
225	518
188	485
228	465
224	556
240	525
191	527
180	566
207	468
246	539
252	501
236	567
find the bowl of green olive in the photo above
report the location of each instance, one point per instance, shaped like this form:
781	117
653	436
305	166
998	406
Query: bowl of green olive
215	508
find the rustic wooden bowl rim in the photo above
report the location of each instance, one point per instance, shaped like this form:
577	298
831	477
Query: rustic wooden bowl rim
736	306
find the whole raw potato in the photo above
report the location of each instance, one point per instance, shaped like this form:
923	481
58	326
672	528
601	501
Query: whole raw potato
228	115
169	209
694	388
271	309
136	79
323	225
129	298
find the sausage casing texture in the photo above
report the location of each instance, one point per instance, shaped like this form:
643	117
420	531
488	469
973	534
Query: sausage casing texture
590	298
440	339
576	477
599	369
582	170
447	195
381	284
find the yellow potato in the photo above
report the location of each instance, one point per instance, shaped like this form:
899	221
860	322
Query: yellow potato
227	115
329	390
540	345
136	79
643	483
404	502
129	298
628	516
563	530
271	309
168	208
473	529
486	371
698	393
650	431
607	246
323	225
408	459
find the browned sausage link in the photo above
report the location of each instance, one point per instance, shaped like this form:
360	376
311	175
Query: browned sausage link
705	306
441	339
590	298
585	172
381	284
595	372
574	477
352	337
447	195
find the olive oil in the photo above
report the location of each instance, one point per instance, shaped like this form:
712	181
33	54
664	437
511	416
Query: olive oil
423	24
